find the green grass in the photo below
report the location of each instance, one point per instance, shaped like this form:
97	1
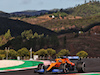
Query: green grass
25	65
91	74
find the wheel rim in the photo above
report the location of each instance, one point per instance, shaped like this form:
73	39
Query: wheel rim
65	68
83	66
40	66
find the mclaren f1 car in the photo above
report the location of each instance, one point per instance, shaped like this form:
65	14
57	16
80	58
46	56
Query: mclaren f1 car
61	65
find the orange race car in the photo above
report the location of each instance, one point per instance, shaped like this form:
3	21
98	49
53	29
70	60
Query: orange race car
60	65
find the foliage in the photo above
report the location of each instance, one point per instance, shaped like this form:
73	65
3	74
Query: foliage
41	52
63	52
54	41
41	35
59	14
89	13
63	14
88	9
45	52
64	43
7	34
5	37
51	51
27	34
36	43
56	24
50	15
56	14
12	53
33	17
2	54
36	35
82	54
0	39
23	52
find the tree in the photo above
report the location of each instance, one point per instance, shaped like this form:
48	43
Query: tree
61	10
76	35
23	52
50	15
41	42
54	41
7	34
89	33
82	54
64	43
2	54
51	52
41	52
46	13
12	53
42	35
27	34
35	35
56	14
63	14
63	52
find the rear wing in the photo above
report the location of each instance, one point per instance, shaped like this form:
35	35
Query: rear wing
73	57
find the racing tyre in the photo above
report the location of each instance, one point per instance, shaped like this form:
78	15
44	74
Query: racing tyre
47	66
63	67
44	67
40	66
80	66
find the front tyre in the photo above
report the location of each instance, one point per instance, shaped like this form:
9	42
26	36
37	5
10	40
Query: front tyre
80	66
63	67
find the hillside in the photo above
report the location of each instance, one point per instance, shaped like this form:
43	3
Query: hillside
33	20
3	14
89	43
30	13
95	29
92	8
17	27
65	24
61	24
79	16
87	9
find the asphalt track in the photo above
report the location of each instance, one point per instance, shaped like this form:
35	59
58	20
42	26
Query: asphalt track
92	65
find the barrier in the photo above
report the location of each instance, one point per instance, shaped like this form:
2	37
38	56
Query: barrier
91	57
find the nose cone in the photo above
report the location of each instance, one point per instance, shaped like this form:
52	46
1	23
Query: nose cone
73	64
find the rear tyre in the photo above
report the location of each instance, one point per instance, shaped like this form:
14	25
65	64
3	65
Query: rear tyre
80	66
38	68
47	66
42	66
